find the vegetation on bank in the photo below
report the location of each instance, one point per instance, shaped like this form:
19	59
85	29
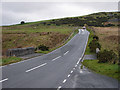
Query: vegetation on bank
111	70
9	60
50	50
87	51
51	36
107	63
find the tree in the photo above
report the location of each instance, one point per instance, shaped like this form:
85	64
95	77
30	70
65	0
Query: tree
93	45
22	22
107	56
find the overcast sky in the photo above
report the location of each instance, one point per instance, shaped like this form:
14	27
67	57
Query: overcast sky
14	12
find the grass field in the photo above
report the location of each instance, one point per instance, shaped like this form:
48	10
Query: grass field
111	70
19	36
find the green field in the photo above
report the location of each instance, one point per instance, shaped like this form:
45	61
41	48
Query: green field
111	70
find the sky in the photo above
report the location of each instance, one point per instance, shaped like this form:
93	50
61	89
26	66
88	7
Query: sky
15	12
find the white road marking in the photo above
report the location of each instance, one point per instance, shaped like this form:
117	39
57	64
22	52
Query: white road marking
66	53
59	87
76	65
69	75
36	67
64	80
81	71
3	80
56	58
78	62
71	72
73	68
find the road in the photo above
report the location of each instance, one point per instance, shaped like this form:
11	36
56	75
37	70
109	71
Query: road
51	70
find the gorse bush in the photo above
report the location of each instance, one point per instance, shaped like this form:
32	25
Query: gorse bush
93	45
95	37
107	56
43	48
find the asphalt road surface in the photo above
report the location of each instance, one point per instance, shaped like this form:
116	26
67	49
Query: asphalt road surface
53	70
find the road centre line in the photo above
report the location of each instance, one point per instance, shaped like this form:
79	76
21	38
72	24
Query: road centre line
3	80
56	58
59	87
71	72
36	67
66	52
64	80
76	65
69	75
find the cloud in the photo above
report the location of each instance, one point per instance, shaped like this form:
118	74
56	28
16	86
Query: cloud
13	12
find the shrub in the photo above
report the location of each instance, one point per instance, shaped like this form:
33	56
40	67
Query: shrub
107	56
108	25
43	48
93	45
95	37
22	22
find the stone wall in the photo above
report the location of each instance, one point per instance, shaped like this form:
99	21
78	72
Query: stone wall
20	51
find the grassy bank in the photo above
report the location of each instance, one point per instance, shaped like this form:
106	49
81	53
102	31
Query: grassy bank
9	60
87	51
50	36
63	43
111	70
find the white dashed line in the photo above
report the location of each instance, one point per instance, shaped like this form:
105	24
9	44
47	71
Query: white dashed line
64	80
66	53
78	62
81	71
73	68
75	65
3	80
56	58
59	87
36	67
71	72
69	75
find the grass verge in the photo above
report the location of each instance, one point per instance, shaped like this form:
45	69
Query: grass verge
111	70
87	51
9	60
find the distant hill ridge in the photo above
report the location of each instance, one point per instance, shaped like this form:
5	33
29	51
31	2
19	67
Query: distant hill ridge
95	19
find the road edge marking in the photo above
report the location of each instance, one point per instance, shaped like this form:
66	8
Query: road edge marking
64	80
66	52
3	80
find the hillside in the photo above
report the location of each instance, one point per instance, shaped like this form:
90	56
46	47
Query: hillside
52	33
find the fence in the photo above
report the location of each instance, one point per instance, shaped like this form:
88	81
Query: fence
20	51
